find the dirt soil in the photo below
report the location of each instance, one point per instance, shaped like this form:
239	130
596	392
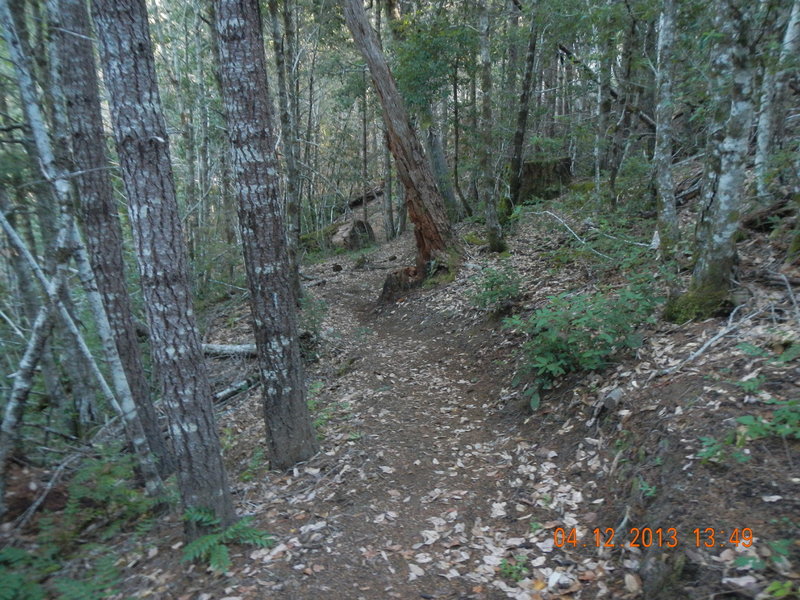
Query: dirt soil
434	480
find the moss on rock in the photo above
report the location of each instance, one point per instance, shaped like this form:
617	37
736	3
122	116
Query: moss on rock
697	304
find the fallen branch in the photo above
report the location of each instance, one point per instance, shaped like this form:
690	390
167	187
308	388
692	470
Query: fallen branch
235	389
721	334
575	235
226	350
31	510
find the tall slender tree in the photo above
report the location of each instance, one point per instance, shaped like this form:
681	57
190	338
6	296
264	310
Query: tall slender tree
243	73
143	148
78	77
662	156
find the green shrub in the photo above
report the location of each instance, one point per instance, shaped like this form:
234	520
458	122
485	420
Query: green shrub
497	289
579	333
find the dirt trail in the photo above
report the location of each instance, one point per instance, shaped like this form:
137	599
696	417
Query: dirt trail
419	491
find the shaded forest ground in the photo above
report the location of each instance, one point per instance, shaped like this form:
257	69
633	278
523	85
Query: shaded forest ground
436	481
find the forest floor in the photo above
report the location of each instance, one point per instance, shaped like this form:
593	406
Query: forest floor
435	479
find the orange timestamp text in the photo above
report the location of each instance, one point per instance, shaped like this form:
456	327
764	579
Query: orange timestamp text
647	537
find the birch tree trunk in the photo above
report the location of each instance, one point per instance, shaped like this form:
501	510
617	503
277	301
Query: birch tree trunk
72	35
290	435
425	205
712	278
56	178
662	156
143	148
773	92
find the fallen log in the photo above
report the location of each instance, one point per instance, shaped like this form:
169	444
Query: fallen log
235	389
225	350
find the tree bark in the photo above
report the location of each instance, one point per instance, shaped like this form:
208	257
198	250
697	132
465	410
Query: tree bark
72	34
493	230
289	139
773	91
731	85
662	156
425	205
143	148
522	114
290	435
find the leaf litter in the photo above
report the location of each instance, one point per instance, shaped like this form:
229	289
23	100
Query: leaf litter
434	482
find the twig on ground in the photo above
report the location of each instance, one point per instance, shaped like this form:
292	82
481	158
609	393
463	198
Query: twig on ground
575	235
791	294
31	510
722	333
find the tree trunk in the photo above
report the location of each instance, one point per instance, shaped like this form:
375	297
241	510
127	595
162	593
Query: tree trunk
289	139
97	206
662	156
522	115
731	88
143	148
290	436
493	230
425	205
773	91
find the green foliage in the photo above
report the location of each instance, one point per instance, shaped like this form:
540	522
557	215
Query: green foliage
515	569
426	51
497	289
312	315
100	581
101	493
212	548
23	574
580	332
782	589
20	575
785	421
255	465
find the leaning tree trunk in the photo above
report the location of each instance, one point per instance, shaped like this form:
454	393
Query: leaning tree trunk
143	148
712	278
662	155
290	435
98	211
425	205
57	179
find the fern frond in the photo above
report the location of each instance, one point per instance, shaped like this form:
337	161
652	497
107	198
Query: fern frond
201	547
219	558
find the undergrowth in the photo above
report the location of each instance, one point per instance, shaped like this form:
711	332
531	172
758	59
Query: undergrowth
212	548
579	332
102	501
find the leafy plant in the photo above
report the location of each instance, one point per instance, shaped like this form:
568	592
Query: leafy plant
254	465
579	333
497	289
782	589
514	569
19	575
785	421
101	496
100	582
212	548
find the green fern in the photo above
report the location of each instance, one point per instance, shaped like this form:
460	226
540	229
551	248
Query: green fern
212	548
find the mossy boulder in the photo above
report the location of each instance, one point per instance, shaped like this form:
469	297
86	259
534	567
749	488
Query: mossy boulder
698	304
